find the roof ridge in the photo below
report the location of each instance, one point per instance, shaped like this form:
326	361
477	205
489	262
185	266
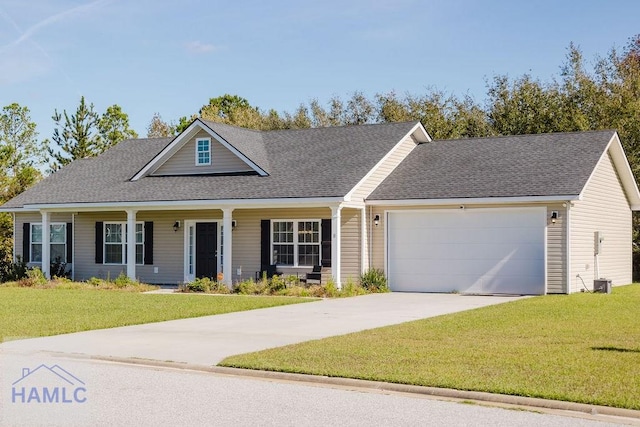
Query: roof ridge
526	135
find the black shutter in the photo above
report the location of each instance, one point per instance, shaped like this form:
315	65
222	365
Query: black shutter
265	244
99	245
326	243
69	242
26	238
148	243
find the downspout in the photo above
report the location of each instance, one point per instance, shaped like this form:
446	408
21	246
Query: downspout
568	237
370	236
13	219
73	246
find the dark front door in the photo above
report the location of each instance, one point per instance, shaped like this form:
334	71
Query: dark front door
206	249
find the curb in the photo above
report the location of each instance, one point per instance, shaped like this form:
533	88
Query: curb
392	387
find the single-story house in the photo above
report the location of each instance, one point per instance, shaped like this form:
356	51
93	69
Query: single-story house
531	214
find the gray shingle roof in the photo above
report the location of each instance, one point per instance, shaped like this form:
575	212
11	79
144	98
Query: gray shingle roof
510	166
321	162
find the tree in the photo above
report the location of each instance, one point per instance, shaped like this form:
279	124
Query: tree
158	128
113	127
76	136
20	153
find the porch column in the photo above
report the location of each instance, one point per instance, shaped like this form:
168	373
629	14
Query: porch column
131	244
46	244
335	244
227	242
364	239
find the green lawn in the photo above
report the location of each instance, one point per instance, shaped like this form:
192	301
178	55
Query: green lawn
581	348
26	312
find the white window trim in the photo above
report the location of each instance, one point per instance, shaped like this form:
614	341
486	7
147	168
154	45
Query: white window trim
198	163
31	242
123	243
295	241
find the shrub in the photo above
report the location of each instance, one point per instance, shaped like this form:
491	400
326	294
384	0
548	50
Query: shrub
247	287
199	285
352	289
122	281
374	280
16	270
35	277
277	284
58	268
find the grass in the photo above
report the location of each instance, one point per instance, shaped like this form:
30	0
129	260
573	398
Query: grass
581	348
28	312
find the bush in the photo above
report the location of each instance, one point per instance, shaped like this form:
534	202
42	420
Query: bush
35	277
205	284
352	289
58	268
374	280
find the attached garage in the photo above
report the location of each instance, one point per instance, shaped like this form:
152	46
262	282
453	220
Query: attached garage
485	251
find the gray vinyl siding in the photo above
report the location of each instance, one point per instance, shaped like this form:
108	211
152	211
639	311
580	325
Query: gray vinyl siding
556	241
604	207
557	251
183	162
168	253
168	245
384	169
30	217
246	237
350	245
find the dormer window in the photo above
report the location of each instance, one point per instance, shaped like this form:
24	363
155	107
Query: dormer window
203	151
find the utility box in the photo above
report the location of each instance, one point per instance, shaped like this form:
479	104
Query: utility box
602	286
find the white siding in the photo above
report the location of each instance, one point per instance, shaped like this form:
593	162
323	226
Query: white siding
395	158
183	162
604	208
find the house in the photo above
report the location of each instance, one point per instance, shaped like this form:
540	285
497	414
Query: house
530	214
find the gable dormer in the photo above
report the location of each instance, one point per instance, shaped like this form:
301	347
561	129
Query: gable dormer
198	150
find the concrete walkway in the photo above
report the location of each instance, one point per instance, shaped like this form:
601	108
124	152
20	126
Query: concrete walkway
208	340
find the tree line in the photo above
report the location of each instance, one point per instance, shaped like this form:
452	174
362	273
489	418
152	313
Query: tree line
603	94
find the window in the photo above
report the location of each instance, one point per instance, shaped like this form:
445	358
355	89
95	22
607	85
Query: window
115	243
57	241
296	243
203	151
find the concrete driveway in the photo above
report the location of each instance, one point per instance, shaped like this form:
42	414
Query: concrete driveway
208	340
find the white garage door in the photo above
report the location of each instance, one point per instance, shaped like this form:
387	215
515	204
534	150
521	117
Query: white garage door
487	251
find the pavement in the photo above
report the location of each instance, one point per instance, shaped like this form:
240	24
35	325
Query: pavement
205	341
198	344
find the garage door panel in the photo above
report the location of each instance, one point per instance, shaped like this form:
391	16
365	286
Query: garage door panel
475	250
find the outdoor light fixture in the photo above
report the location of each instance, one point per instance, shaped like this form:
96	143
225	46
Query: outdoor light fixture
233	224
376	220
176	226
554	216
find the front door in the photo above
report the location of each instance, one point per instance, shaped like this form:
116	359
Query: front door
206	249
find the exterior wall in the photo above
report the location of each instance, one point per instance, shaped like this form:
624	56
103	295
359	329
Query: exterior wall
21	218
184	160
384	169
246	237
350	244
556	240
604	207
168	245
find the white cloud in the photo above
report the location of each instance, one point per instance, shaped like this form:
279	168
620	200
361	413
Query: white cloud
198	47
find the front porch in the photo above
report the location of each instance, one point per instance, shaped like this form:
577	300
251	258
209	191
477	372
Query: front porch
178	245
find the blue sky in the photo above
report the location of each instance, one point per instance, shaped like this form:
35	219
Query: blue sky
171	57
